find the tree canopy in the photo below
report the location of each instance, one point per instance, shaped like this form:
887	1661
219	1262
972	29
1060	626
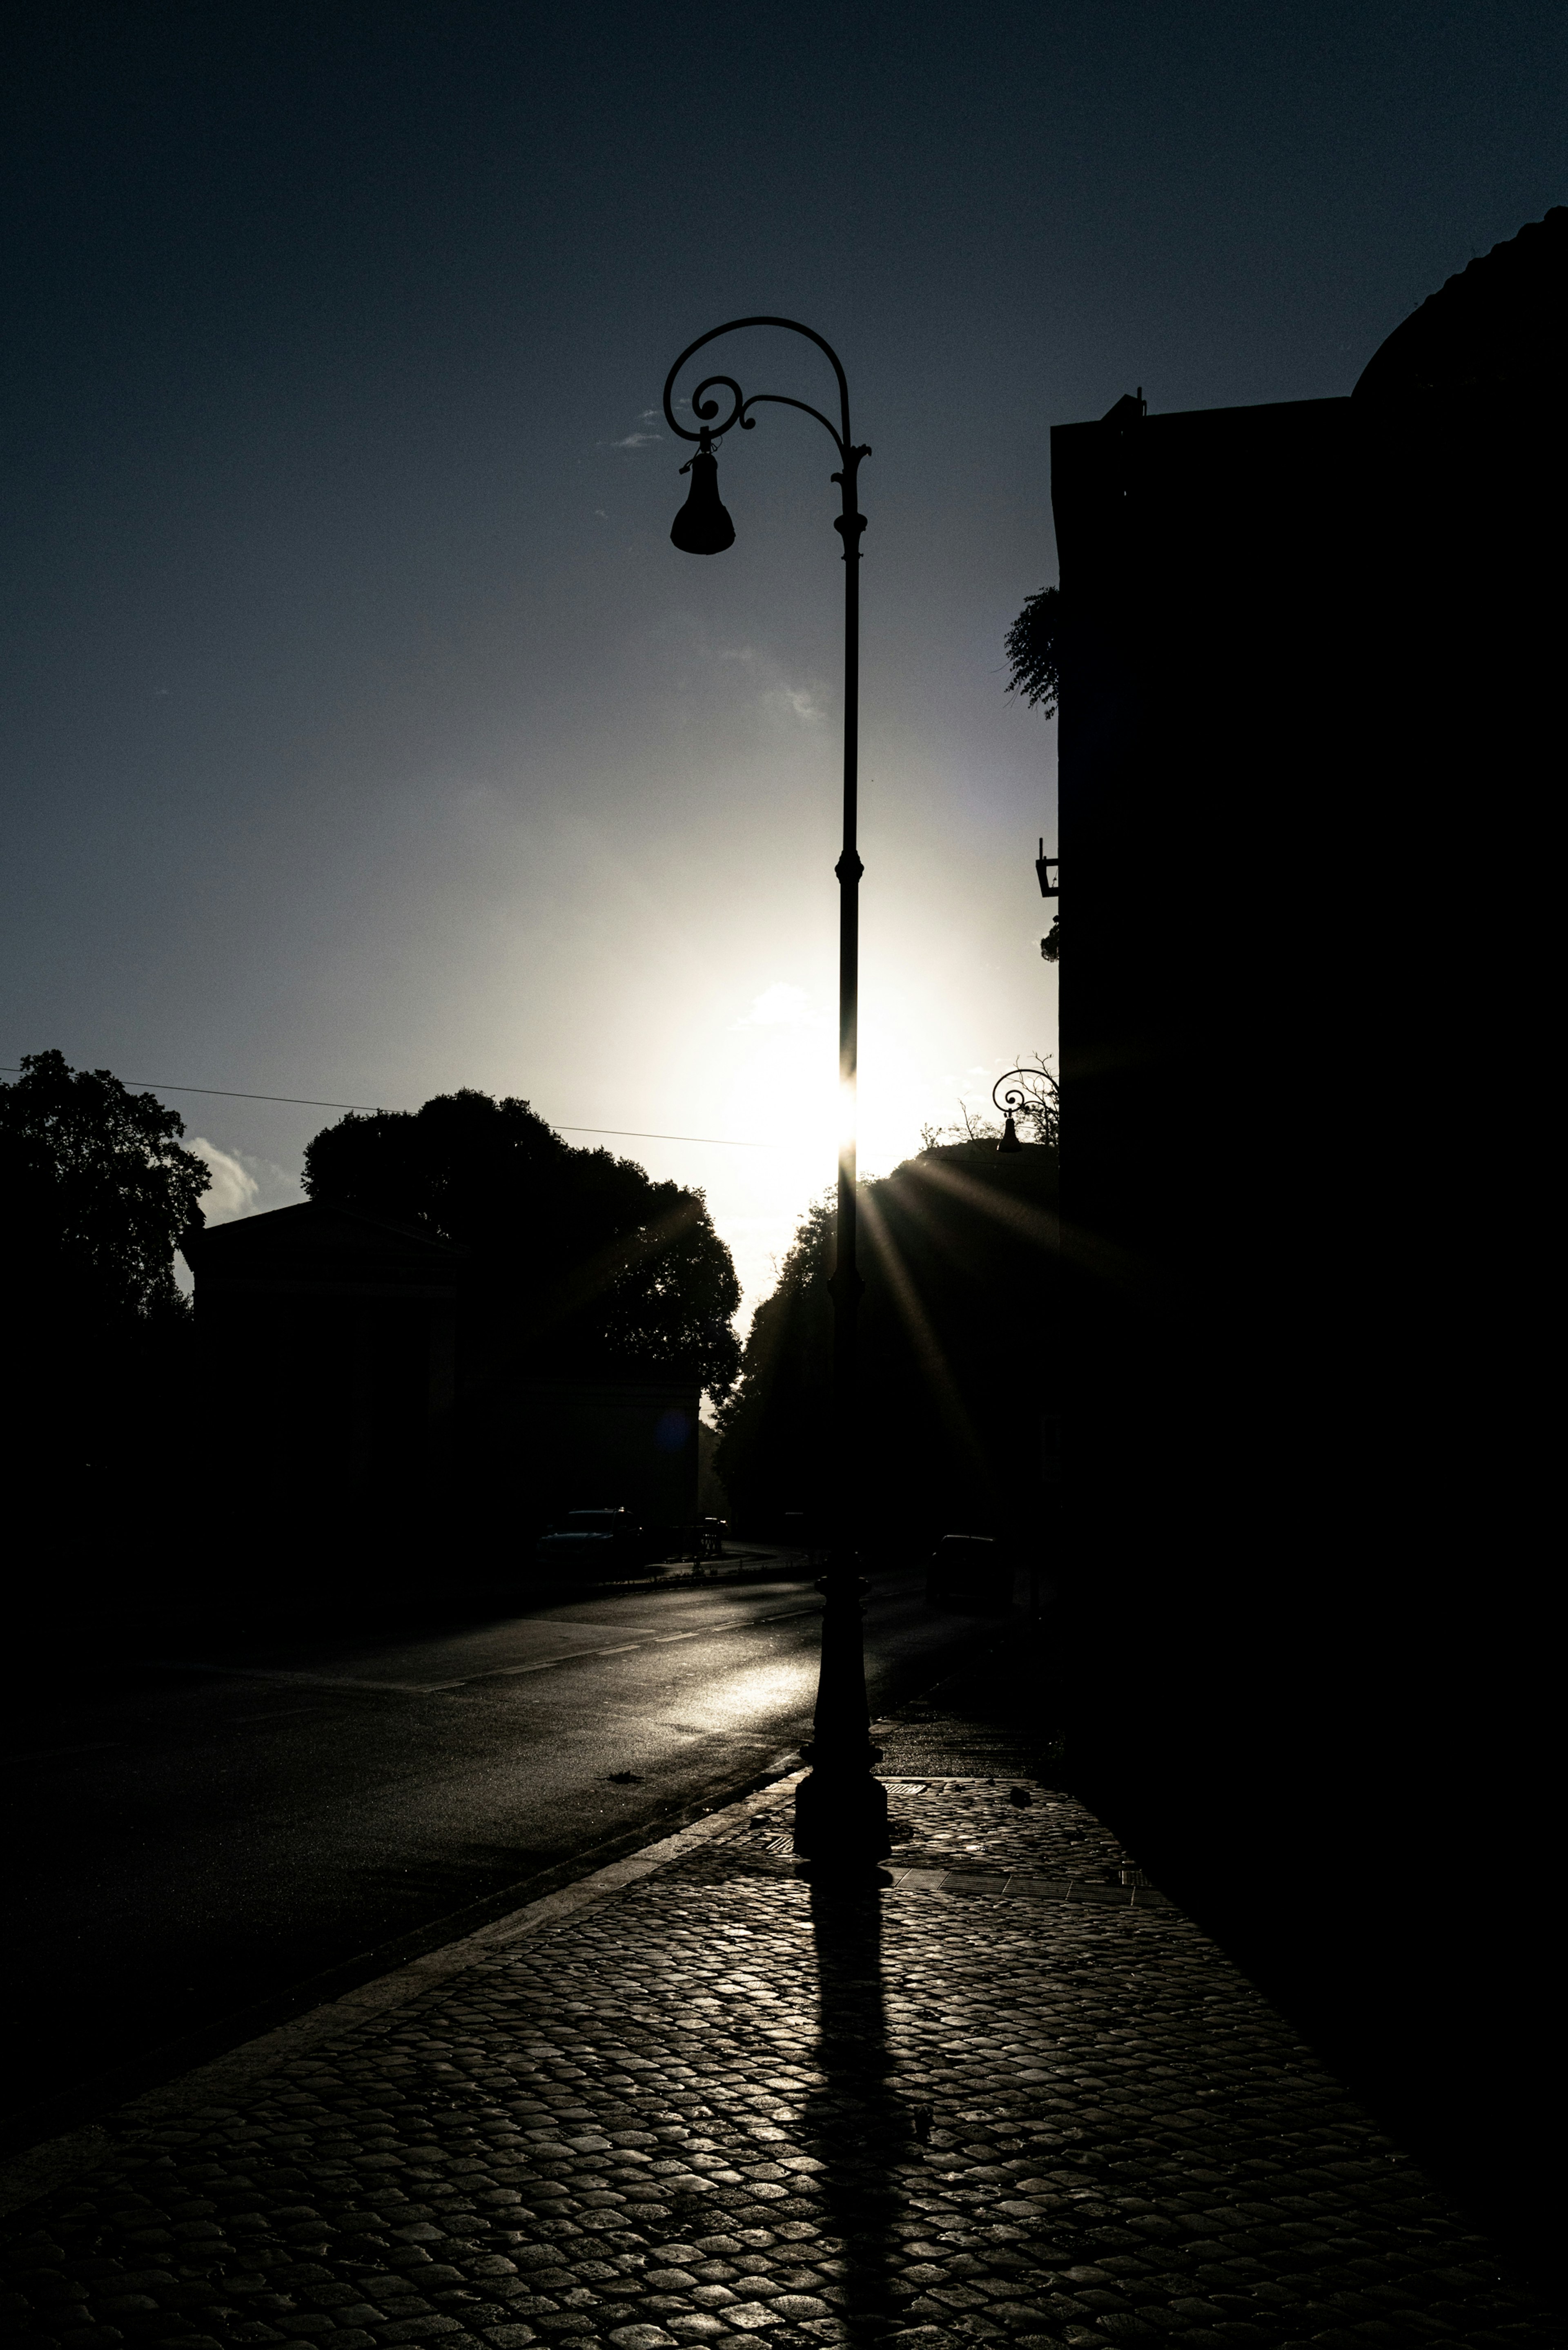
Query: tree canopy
97	1188
580	1260
100	1372
957	1346
1033	646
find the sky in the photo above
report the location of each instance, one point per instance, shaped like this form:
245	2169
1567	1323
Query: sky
362	735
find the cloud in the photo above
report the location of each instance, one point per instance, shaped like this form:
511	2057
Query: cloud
793	701
231	1191
637	441
241	1185
779	699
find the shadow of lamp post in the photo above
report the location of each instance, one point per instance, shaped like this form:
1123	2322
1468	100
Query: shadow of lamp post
841	1810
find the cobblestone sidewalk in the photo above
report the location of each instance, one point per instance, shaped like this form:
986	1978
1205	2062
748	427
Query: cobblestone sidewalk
1008	2097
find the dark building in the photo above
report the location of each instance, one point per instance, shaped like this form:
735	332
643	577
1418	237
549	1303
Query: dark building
328	1345
343	1402
1310	757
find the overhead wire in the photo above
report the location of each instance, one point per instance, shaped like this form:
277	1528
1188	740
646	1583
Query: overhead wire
376	1109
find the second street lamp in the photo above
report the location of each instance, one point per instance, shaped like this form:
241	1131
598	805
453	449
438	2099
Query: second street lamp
841	1809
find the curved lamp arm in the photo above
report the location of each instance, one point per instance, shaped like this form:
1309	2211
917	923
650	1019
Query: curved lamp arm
1015	1102
705	409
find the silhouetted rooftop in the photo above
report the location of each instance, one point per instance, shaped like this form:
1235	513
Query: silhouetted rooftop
315	1241
1497	325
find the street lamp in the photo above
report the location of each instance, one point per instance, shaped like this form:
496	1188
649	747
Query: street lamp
841	1810
1015	1102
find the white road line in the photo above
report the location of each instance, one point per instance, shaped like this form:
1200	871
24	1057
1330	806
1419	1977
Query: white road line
299	1679
289	1680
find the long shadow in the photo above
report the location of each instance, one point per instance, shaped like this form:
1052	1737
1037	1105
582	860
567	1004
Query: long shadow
857	2128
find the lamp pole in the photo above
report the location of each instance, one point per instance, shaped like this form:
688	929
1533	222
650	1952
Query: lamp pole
841	1810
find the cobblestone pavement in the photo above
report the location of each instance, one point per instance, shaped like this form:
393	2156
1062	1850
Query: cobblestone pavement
727	2103
980	1825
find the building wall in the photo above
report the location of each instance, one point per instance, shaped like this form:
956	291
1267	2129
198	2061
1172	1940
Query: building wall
1308	720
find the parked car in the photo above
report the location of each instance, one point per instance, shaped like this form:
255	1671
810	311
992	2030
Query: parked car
592	1542
973	1573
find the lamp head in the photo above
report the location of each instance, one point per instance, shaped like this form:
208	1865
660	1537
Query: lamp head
703	526
1009	1136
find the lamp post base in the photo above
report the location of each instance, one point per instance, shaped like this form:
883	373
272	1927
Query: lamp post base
841	1811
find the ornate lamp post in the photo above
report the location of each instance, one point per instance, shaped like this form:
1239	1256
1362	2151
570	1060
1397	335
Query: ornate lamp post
1016	1101
841	1811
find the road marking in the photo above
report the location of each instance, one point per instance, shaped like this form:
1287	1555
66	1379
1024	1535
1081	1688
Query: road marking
504	1672
302	1680
298	1679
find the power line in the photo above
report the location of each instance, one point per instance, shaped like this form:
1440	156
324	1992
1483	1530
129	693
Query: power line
635	1134
225	1093
374	1109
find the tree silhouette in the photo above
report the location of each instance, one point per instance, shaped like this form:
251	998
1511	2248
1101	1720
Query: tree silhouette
957	1349
99	1371
1033	646
94	1178
580	1262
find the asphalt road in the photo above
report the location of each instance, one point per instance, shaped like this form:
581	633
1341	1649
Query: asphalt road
201	1843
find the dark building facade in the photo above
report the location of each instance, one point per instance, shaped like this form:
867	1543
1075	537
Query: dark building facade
1309	763
344	1401
328	1344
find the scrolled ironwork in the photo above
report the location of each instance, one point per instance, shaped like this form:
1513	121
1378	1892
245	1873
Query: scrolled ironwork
1016	1102
705	409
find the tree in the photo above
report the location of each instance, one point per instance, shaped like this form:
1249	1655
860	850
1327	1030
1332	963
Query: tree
957	1346
96	1189
1033	646
1034	649
580	1261
99	1368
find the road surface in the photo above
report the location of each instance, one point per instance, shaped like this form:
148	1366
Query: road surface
202	1843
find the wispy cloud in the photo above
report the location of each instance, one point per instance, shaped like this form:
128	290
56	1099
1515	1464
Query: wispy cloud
793	701
637	439
231	1191
776	695
241	1185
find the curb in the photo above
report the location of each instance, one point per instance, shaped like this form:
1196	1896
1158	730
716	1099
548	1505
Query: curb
226	2079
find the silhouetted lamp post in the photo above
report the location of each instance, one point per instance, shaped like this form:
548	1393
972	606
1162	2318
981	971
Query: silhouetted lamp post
841	1810
1013	1103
